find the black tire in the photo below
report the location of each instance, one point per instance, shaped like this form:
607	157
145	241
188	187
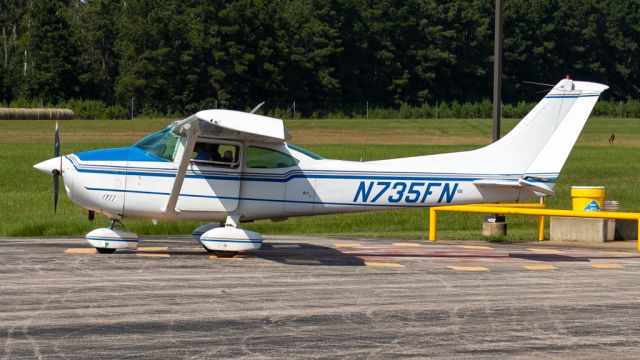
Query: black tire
105	250
225	254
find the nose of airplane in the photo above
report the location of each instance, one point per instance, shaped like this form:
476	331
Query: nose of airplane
48	166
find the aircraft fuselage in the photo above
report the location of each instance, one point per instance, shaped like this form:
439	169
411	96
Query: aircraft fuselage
125	183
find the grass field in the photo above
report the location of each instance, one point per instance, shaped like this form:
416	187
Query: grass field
26	202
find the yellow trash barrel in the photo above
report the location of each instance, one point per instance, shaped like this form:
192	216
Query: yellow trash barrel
587	198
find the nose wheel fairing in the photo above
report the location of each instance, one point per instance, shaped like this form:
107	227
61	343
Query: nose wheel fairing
112	239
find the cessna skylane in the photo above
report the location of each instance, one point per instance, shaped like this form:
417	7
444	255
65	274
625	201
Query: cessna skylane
227	167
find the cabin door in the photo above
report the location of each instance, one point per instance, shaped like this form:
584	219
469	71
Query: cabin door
212	182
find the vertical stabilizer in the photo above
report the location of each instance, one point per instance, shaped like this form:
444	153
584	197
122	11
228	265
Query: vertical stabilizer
555	151
536	148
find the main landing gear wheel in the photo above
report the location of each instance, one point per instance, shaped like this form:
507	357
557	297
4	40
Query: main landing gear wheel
227	241
221	253
105	250
224	254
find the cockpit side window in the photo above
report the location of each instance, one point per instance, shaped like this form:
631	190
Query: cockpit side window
216	154
162	144
265	158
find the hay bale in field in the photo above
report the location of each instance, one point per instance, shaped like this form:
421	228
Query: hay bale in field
35	114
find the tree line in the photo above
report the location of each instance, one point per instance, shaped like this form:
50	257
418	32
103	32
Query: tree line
179	56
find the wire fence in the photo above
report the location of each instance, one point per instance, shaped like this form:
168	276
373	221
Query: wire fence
95	109
435	110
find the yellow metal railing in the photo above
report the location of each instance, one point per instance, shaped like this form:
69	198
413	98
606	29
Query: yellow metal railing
527	209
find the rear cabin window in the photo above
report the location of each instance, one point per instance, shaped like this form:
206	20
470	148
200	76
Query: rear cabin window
309	153
215	154
264	158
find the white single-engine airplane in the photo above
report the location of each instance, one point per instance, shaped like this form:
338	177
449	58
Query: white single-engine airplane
229	167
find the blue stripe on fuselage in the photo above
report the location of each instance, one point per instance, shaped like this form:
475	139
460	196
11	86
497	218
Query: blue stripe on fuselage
294	174
249	199
301	175
569	96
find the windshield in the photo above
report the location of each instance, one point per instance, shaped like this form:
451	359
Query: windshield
309	153
162	144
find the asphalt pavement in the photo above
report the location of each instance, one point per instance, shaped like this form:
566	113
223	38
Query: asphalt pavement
305	297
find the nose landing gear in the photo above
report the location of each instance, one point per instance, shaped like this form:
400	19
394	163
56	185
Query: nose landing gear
108	240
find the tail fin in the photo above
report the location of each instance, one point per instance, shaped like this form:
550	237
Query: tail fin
582	98
536	148
540	144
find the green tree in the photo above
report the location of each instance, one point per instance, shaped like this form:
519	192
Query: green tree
12	14
52	54
158	63
95	21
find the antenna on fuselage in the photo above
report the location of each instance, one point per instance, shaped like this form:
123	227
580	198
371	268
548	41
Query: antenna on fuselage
538	83
257	107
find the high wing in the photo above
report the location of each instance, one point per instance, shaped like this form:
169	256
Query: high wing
222	124
241	126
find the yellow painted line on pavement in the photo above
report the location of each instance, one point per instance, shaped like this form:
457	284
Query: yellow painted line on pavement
479	247
80	251
348	245
155	255
302	261
468	268
407	244
542	250
225	258
383	264
153	248
607	266
539	267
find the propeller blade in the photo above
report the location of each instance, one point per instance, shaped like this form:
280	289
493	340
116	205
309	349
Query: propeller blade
56	142
57	172
56	187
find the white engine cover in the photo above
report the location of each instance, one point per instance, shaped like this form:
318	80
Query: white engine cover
112	239
231	239
203	229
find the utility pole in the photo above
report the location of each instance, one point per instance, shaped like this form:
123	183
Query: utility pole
497	70
497	225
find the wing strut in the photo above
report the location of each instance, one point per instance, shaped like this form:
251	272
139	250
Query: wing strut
191	133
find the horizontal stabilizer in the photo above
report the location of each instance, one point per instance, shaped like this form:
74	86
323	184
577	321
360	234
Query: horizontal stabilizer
496	183
536	186
520	183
